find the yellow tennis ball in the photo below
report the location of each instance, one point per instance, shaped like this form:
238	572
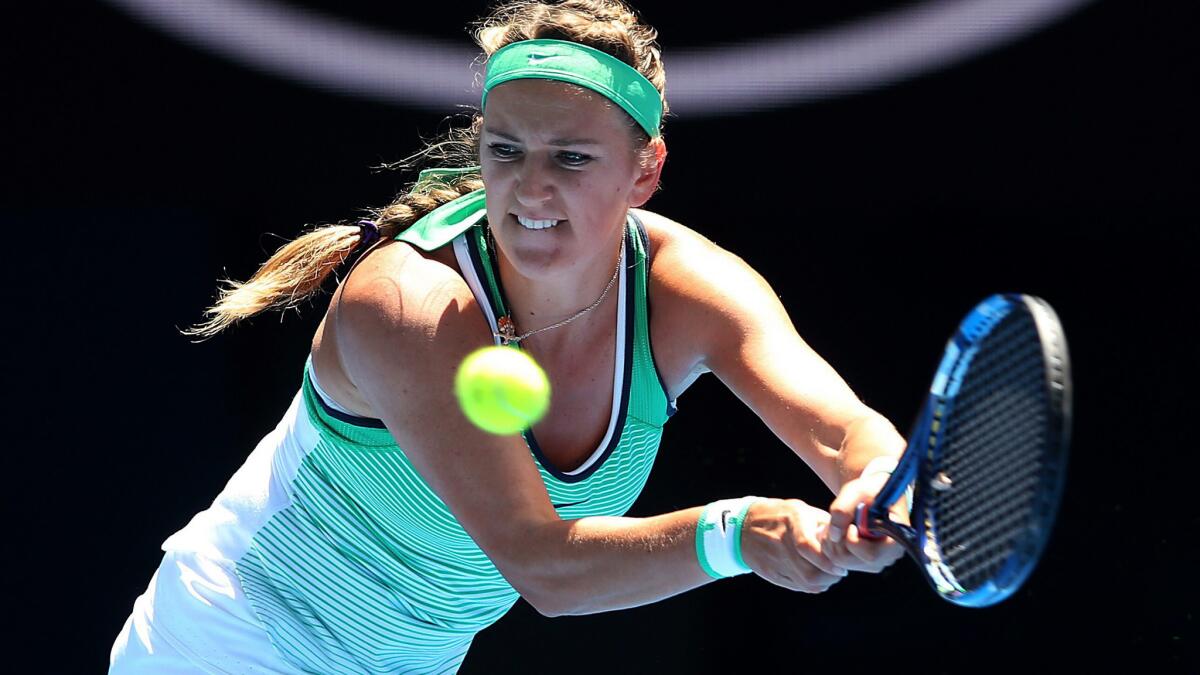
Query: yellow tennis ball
502	390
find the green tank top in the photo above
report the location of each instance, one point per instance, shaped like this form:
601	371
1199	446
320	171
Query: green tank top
365	569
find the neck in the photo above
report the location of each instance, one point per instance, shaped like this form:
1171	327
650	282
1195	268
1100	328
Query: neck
538	303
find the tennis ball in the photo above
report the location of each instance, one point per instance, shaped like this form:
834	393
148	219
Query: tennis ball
502	390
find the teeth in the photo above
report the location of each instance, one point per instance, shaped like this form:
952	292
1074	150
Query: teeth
536	224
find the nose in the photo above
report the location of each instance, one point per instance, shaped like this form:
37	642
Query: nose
534	186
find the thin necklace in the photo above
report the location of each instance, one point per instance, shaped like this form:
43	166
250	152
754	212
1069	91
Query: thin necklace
508	331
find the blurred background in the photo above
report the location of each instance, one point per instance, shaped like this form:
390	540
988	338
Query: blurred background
885	165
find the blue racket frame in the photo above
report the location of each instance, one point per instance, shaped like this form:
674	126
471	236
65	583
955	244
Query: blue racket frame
913	477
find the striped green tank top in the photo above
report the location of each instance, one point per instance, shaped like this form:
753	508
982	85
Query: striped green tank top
363	568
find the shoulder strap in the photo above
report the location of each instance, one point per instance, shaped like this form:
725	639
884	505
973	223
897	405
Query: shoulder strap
485	265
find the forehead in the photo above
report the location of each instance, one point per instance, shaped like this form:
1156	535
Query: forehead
552	108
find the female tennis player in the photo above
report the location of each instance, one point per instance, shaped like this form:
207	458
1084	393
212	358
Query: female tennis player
376	529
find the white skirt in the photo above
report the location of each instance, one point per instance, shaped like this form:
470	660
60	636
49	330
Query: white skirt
194	618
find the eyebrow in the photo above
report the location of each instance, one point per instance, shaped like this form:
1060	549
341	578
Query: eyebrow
558	142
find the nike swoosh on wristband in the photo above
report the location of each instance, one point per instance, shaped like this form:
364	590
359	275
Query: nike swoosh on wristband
725	519
563	506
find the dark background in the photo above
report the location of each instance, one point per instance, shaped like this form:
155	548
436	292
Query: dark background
140	170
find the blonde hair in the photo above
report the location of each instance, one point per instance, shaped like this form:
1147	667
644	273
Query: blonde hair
298	270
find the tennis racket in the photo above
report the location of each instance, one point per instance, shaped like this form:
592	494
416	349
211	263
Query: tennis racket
986	461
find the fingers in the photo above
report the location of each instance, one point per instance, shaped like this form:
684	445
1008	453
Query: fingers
813	572
802	577
788	543
818	582
838	522
860	554
845	505
781	541
842	510
806	538
875	555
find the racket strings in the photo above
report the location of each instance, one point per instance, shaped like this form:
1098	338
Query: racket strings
992	458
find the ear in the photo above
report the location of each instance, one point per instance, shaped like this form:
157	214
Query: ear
646	182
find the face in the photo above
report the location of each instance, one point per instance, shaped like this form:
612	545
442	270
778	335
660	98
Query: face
561	172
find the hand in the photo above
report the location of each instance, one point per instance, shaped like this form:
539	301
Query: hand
843	544
781	543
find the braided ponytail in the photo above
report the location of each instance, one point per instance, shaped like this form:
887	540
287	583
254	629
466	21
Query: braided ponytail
297	271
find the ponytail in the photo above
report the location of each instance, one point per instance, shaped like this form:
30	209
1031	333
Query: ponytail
299	268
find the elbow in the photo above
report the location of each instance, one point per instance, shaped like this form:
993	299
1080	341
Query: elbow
544	573
548	610
547	599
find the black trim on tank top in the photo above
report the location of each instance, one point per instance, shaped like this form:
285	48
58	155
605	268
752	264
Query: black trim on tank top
645	236
369	422
494	258
480	270
626	382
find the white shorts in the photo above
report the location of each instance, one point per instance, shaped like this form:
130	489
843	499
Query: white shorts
194	618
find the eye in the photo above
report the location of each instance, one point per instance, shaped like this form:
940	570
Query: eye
503	150
574	158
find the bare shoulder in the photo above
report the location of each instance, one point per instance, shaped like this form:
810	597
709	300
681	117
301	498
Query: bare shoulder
670	239
689	265
399	318
702	296
397	288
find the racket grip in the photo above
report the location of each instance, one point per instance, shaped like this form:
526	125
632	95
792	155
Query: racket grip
864	527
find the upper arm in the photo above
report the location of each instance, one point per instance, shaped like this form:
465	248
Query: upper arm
739	329
404	324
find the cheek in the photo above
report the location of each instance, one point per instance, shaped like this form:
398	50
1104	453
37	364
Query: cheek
598	196
492	172
615	192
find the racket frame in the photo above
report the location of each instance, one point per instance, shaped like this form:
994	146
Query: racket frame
913	477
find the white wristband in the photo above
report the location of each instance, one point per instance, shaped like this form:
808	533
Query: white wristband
719	537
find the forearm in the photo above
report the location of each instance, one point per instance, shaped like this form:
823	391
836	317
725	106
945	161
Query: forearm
602	563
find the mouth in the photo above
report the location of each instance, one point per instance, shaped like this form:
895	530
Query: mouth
537	223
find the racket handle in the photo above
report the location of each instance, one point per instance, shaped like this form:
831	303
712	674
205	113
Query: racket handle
864	527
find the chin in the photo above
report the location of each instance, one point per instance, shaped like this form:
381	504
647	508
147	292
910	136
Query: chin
537	253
